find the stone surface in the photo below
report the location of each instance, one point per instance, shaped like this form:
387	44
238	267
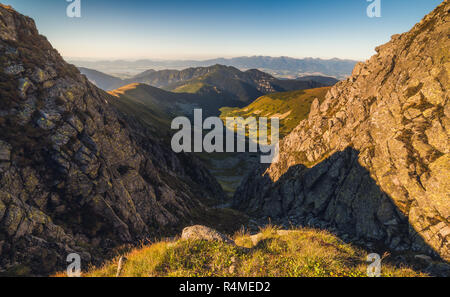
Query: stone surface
372	160
76	175
199	232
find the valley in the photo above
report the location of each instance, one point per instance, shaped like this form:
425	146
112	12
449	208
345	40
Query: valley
156	108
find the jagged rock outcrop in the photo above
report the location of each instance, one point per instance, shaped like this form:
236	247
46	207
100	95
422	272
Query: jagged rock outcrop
75	174
372	160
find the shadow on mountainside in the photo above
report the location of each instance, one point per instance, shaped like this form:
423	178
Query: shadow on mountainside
339	195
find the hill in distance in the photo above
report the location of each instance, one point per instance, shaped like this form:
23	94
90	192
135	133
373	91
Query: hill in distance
209	88
102	80
223	85
248	85
161	106
143	103
279	66
218	80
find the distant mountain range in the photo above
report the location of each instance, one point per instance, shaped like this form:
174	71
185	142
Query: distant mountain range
102	80
283	67
216	86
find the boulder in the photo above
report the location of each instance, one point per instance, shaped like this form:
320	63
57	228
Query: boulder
199	232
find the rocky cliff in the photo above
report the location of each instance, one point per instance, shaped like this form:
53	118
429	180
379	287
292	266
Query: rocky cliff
372	160
75	174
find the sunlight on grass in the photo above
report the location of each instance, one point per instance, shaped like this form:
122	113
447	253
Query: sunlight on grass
274	253
290	107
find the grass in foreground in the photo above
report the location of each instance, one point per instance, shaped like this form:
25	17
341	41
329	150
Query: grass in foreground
274	253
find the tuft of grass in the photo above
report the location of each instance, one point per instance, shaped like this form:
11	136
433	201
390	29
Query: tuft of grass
275	253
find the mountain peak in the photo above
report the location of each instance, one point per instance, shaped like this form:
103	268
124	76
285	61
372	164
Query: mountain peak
8	7
15	26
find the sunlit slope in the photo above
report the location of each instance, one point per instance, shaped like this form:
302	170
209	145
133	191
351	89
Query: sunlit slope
147	104
290	107
271	253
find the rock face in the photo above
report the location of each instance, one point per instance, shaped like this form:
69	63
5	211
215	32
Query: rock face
199	232
75	174
372	160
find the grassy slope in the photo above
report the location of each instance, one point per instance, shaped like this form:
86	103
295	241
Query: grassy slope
191	88
291	107
298	253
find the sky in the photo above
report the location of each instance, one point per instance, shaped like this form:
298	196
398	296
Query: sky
199	29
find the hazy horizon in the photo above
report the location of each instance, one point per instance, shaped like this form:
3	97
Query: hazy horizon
202	30
112	59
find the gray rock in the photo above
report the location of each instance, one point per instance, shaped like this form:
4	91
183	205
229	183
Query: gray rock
44	122
204	233
39	76
425	258
14	69
24	85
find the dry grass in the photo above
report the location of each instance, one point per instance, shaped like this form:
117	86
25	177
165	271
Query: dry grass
274	253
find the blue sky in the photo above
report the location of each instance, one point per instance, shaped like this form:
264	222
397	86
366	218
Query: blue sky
198	29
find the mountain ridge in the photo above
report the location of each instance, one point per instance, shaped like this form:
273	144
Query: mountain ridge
279	66
290	107
77	175
225	84
372	160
